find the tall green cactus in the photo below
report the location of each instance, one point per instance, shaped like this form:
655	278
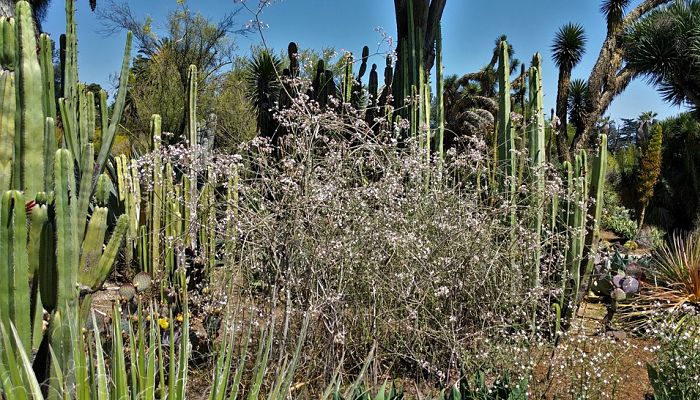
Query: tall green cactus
7	43
156	197
595	211
14	291
536	153
439	96
30	116
505	140
48	264
76	124
348	78
7	128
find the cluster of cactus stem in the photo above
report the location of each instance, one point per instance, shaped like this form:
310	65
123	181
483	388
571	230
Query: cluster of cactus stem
178	211
578	213
52	234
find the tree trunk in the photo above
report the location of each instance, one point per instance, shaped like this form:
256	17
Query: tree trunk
562	97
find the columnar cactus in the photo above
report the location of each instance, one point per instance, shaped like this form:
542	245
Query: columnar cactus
61	254
505	140
536	149
595	211
156	197
30	117
439	95
7	128
348	78
505	143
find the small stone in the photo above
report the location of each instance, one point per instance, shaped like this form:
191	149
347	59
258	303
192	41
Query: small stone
630	285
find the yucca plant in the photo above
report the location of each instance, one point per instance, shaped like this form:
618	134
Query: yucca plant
676	270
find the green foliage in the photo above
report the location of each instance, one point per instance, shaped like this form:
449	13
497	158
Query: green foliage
569	46
664	47
676	201
474	387
617	218
235	118
263	85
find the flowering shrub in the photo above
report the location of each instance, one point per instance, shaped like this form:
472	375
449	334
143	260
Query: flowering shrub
676	372
388	247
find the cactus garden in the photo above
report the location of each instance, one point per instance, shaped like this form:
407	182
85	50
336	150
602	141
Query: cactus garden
241	217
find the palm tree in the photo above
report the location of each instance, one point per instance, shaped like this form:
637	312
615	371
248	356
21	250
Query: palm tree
567	50
646	120
262	80
469	110
578	105
614	11
471	101
665	48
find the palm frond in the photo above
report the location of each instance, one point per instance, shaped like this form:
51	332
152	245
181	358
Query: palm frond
569	46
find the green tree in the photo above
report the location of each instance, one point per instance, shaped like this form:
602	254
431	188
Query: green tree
676	202
162	65
236	120
263	88
664	47
649	169
568	48
578	104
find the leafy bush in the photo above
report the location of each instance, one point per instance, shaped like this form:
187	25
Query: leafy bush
616	218
651	237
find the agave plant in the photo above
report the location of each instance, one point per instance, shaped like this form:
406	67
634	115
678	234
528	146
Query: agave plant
672	281
677	268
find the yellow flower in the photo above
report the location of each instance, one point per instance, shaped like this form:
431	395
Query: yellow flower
180	318
163	323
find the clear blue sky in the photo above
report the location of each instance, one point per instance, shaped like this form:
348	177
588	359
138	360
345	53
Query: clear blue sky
469	30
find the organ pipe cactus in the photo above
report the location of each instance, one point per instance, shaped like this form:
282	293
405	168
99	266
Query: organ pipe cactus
505	143
156	197
7	43
192	123
348	79
505	140
439	96
597	187
30	151
536	149
7	128
14	291
47	246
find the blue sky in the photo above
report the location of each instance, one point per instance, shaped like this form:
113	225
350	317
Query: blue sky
469	30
